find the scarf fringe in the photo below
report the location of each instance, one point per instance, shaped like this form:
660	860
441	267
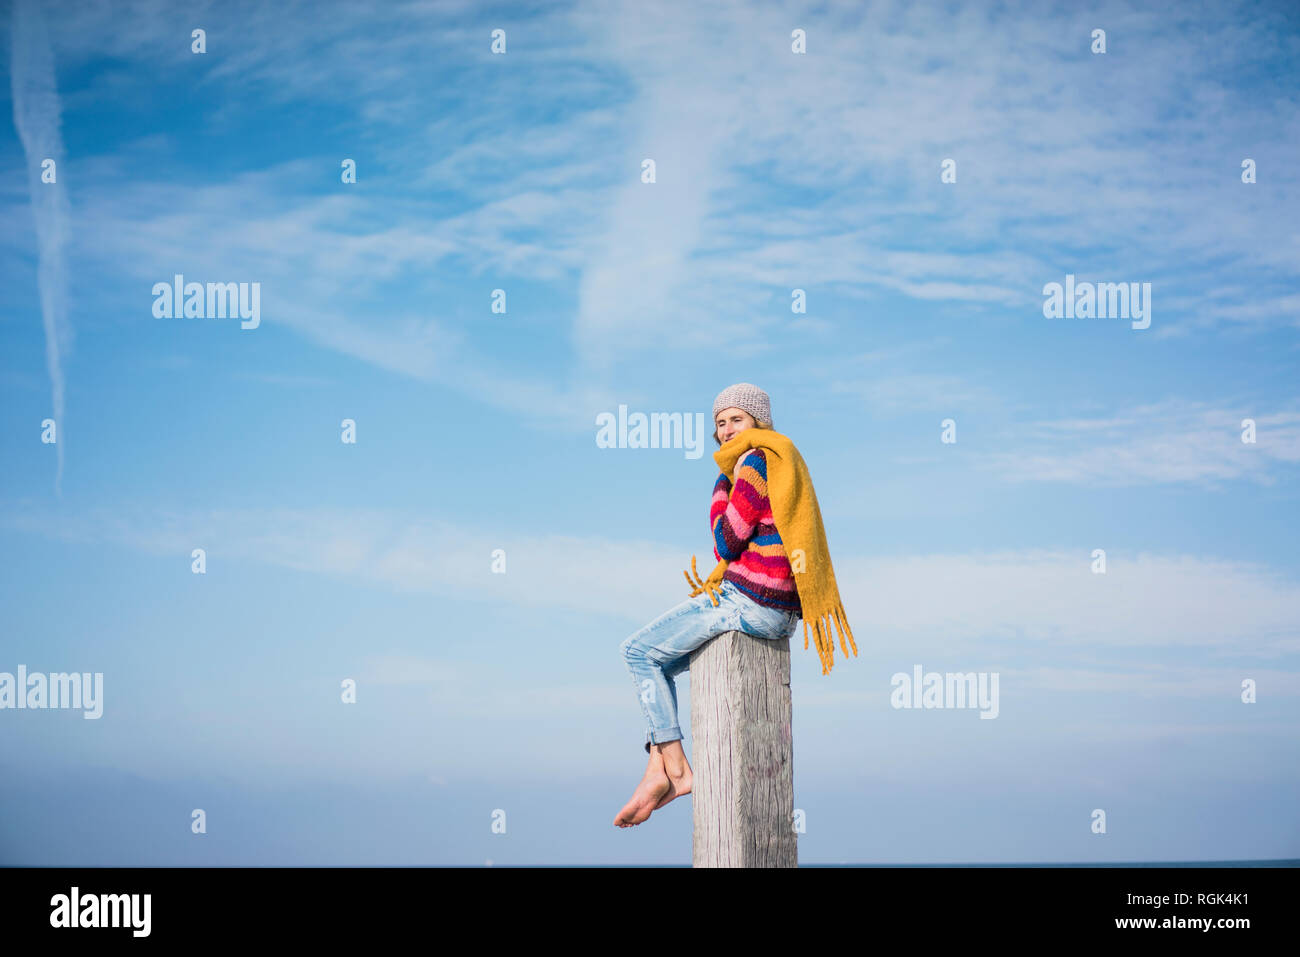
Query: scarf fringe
824	635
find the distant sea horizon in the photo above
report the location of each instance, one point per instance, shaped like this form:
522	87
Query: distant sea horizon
1266	862
1274	862
1270	862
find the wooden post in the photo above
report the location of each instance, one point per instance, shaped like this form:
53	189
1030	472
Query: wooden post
742	753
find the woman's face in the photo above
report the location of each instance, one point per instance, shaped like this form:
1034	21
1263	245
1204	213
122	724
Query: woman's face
731	421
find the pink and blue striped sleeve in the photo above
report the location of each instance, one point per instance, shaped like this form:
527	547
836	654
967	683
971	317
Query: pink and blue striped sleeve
735	518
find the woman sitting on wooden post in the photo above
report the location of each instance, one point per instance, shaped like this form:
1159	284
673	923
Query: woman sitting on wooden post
773	568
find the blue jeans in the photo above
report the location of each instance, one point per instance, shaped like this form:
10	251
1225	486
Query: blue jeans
661	650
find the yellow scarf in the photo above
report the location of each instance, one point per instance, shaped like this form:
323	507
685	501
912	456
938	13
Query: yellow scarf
798	521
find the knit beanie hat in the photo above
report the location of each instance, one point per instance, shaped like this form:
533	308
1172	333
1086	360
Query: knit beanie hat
744	396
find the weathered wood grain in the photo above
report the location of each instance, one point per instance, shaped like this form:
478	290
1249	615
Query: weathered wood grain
743	753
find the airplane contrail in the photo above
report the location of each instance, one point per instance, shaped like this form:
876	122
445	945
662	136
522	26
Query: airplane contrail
37	119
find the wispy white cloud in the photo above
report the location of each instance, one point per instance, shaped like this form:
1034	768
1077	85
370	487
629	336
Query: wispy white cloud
325	280
37	117
405	552
1051	598
1171	441
1031	600
773	169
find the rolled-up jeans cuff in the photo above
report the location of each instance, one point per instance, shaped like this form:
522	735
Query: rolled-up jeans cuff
662	737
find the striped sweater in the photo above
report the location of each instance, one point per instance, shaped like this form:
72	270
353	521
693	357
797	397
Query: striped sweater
744	534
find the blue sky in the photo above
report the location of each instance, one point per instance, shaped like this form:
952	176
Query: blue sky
476	430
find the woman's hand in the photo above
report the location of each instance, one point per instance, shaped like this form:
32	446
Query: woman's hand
736	472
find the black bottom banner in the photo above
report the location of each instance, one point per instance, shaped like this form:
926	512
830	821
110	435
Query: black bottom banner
921	904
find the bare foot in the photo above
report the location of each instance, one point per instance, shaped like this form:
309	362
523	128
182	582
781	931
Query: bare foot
645	799
676	787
